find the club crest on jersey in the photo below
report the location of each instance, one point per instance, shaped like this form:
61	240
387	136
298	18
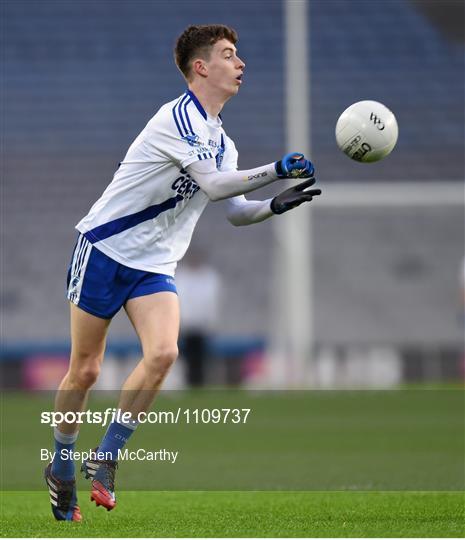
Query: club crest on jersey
219	157
192	139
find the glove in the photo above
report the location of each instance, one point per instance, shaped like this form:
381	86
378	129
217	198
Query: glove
294	165
292	197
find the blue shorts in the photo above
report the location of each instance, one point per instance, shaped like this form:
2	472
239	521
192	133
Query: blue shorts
101	286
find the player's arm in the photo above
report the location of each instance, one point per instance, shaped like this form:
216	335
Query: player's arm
220	185
241	211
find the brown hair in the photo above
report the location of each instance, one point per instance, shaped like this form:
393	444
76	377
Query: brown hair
198	41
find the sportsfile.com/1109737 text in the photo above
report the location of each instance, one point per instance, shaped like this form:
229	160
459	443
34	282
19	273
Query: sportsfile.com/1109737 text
177	416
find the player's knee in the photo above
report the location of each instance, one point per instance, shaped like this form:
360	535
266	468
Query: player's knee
86	377
86	373
159	360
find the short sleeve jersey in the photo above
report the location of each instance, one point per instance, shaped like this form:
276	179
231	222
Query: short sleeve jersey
146	216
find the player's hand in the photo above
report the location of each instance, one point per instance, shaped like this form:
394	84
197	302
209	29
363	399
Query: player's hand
294	165
292	197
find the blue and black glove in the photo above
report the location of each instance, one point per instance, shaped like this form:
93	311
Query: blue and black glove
294	165
294	196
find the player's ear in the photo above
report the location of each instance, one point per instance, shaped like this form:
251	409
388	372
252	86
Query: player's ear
199	66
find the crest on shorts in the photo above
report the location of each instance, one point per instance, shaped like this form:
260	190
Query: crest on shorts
74	282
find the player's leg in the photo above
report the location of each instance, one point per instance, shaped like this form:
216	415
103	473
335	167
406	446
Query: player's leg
88	338
156	321
88	335
155	318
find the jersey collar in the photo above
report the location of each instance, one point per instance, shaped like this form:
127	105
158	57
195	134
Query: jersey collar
197	103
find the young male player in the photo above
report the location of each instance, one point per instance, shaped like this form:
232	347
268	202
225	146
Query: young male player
133	236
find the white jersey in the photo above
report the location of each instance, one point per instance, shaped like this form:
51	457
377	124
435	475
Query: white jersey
146	216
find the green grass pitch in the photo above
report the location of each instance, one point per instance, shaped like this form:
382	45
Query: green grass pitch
240	514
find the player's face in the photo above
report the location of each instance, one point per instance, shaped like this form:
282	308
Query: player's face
225	68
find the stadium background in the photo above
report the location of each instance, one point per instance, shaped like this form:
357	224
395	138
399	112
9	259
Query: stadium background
81	79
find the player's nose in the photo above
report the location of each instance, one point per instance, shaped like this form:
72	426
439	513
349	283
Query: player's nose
240	64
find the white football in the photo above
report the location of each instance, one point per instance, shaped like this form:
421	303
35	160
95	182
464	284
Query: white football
367	131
